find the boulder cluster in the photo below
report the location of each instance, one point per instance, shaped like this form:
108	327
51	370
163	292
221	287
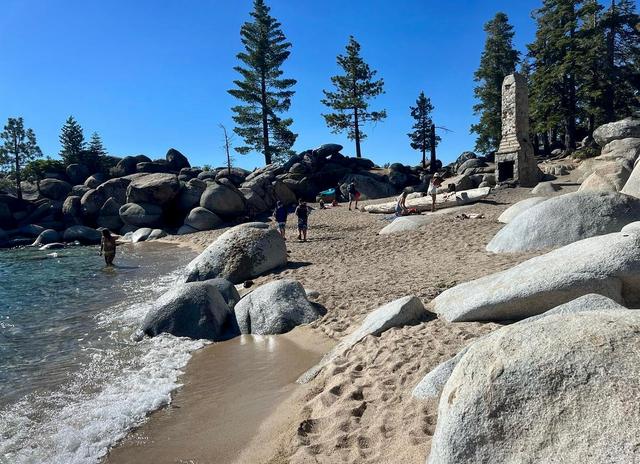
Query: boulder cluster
144	199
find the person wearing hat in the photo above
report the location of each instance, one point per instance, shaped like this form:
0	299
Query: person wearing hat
280	216
434	183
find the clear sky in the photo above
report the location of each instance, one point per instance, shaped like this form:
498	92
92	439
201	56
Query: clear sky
153	74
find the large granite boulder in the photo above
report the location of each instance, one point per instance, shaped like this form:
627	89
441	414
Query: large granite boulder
606	264
141	214
157	189
109	215
155	234
94	180
190	193
566	219
407	310
518	208
255	203
471	163
243	252
223	199
227	290
195	310
236	176
177	160
632	184
55	189
115	188
369	187
128	165
47	236
432	384
91	202
545	188
283	193
72	210
275	308
79	190
83	234
77	173
141	234
327	149
555	390
624	129
610	177
202	219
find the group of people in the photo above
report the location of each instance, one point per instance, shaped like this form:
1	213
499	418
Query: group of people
302	211
432	191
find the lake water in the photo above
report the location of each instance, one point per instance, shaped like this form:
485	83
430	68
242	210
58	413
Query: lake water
72	380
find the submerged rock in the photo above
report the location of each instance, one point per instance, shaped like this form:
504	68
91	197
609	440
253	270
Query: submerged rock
85	235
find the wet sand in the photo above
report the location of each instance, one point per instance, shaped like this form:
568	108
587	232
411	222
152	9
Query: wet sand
229	389
360	409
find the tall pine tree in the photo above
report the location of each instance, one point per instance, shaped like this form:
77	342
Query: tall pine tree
621	25
96	147
72	141
263	90
498	60
420	137
555	53
353	89
19	147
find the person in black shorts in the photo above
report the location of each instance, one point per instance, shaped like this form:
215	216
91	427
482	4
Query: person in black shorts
302	212
354	195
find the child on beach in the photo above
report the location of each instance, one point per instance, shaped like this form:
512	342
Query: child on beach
302	212
401	207
434	183
354	195
280	216
108	247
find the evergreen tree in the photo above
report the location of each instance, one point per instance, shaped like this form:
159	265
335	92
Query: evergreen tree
349	100
72	141
622	65
421	135
262	88
498	60
553	81
94	156
19	147
95	145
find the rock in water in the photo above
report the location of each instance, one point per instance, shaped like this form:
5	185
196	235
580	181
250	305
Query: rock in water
46	237
566	219
243	252
194	310
624	129
275	308
519	207
556	390
608	265
227	290
403	311
141	234
157	189
85	235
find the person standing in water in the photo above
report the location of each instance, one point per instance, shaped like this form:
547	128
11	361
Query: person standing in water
108	247
302	212
280	216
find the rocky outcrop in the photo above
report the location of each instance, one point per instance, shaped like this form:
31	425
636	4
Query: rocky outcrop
72	210
223	199
176	160
141	215
607	264
570	395
518	208
190	193
77	173
95	180
275	308
624	129
407	310
202	219
566	219
195	310
109	215
243	252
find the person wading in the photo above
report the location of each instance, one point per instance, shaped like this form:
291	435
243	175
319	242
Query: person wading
108	247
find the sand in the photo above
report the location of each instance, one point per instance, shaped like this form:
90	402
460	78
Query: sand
360	409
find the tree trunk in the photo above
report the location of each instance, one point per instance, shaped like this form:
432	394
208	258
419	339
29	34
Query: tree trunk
432	166
424	158
265	122
356	130
536	145
546	145
609	91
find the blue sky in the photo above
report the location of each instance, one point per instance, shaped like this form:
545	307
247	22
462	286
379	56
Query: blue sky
149	75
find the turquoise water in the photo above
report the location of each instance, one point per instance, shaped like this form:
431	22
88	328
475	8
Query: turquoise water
72	380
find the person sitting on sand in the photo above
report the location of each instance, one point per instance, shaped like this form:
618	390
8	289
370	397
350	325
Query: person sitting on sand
280	216
321	204
401	206
302	212
108	246
434	183
354	195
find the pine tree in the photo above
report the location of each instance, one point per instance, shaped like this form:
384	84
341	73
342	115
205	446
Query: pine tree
19	148
94	156
72	141
263	89
553	81
498	60
95	145
349	100
421	135
622	63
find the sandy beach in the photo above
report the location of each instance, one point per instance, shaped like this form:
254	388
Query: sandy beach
360	408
